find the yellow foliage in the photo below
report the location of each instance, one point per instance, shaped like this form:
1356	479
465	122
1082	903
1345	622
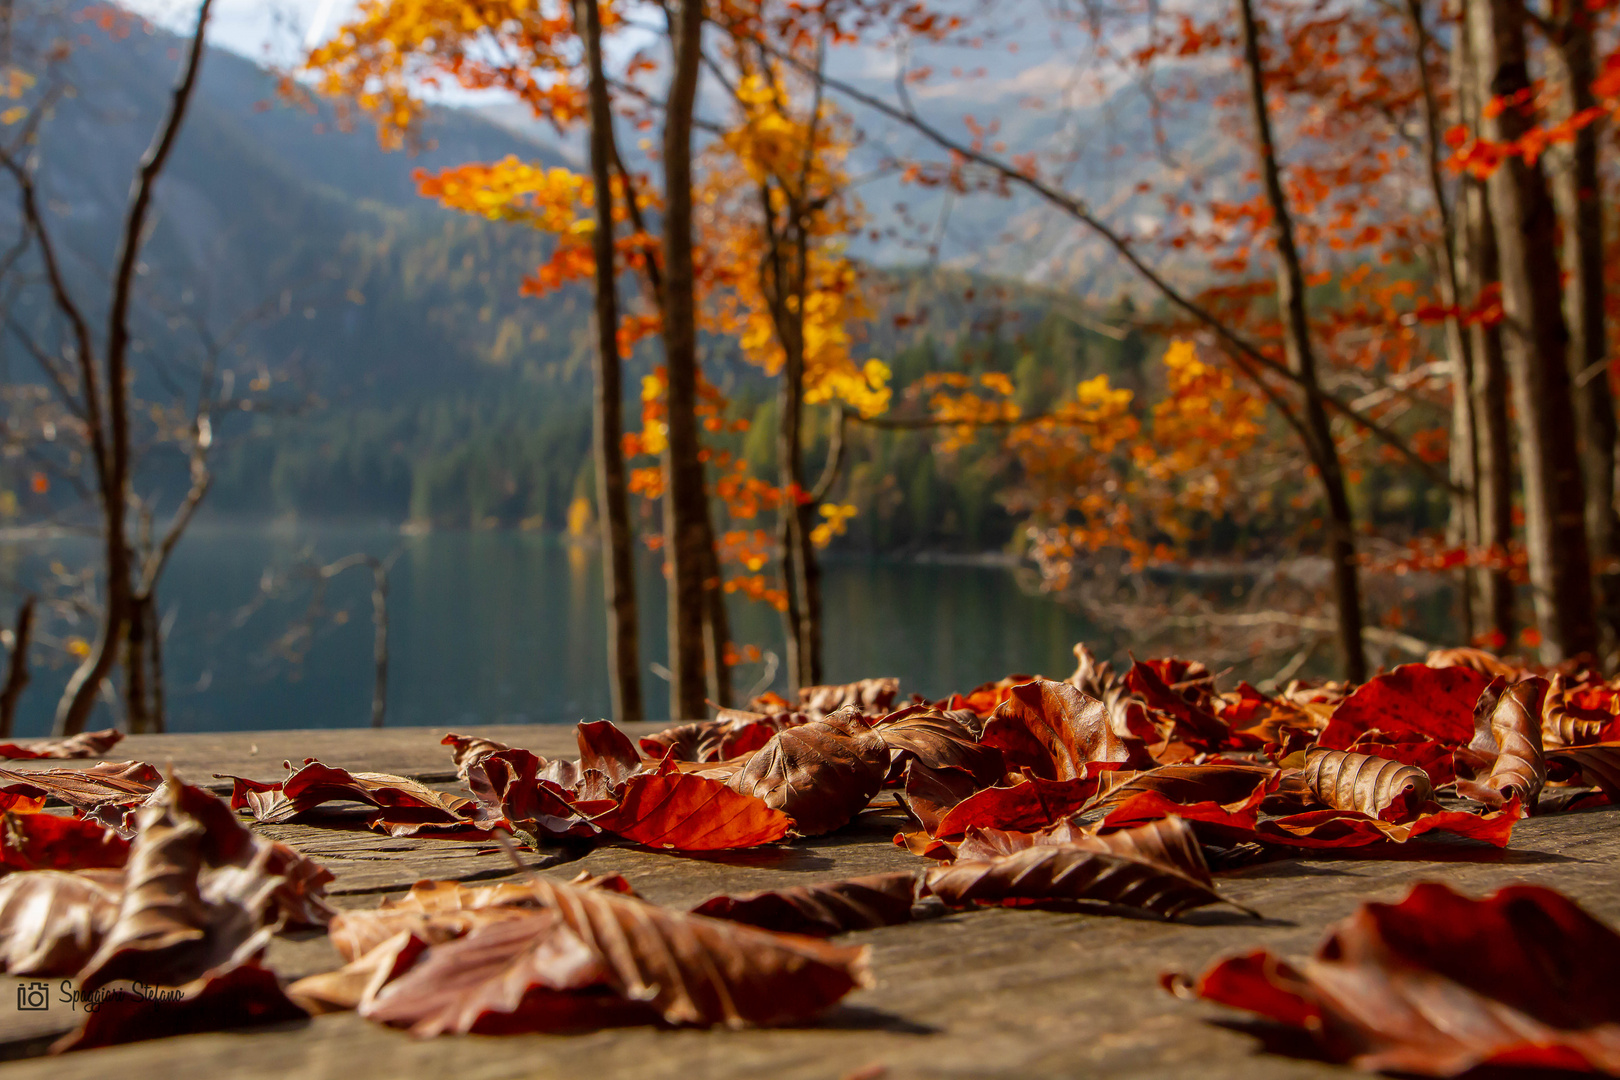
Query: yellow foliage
579	516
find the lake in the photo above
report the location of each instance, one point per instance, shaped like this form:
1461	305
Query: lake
508	627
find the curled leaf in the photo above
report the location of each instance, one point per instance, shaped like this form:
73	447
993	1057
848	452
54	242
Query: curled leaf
1378	787
52	922
731	734
103	791
935	740
356	983
399	801
821	774
1033	804
1068	873
85	744
1510	734
823	909
520	974
868	696
1054	730
433	911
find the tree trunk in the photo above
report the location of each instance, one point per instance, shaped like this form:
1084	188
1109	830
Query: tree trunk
1291	299
113	472
1577	193
1463	530
158	717
618	570
16	667
1536	343
1493	446
137	712
688	549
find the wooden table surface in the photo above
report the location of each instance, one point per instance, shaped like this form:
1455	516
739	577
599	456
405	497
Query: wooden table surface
987	993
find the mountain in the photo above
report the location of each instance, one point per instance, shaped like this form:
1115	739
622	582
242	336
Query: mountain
433	390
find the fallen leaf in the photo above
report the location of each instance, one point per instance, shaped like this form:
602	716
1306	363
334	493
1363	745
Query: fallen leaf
1033	804
701	971
399	801
605	749
103	791
930	737
433	911
1170	842
238	996
519	974
200	895
1194	724
1439	984
1054	730
1510	734
1598	764
1071	874
357	983
685	812
1378	787
1430	701
731	734
51	842
823	909
821	774
929	794
868	696
52	922
467	751
84	744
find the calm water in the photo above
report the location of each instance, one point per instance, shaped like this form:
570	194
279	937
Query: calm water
495	627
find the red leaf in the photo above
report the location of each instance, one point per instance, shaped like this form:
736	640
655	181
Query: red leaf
683	812
241	996
1025	807
1435	702
50	842
1440	984
1194	725
84	744
399	801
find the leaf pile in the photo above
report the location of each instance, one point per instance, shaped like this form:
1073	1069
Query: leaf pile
1108	792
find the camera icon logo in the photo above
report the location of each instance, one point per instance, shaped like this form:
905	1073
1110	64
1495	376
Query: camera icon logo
33	996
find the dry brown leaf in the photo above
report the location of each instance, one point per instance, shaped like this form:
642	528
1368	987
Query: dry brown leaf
1378	787
1509	734
702	971
85	744
922	734
52	922
1054	730
1068	874
823	909
821	774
